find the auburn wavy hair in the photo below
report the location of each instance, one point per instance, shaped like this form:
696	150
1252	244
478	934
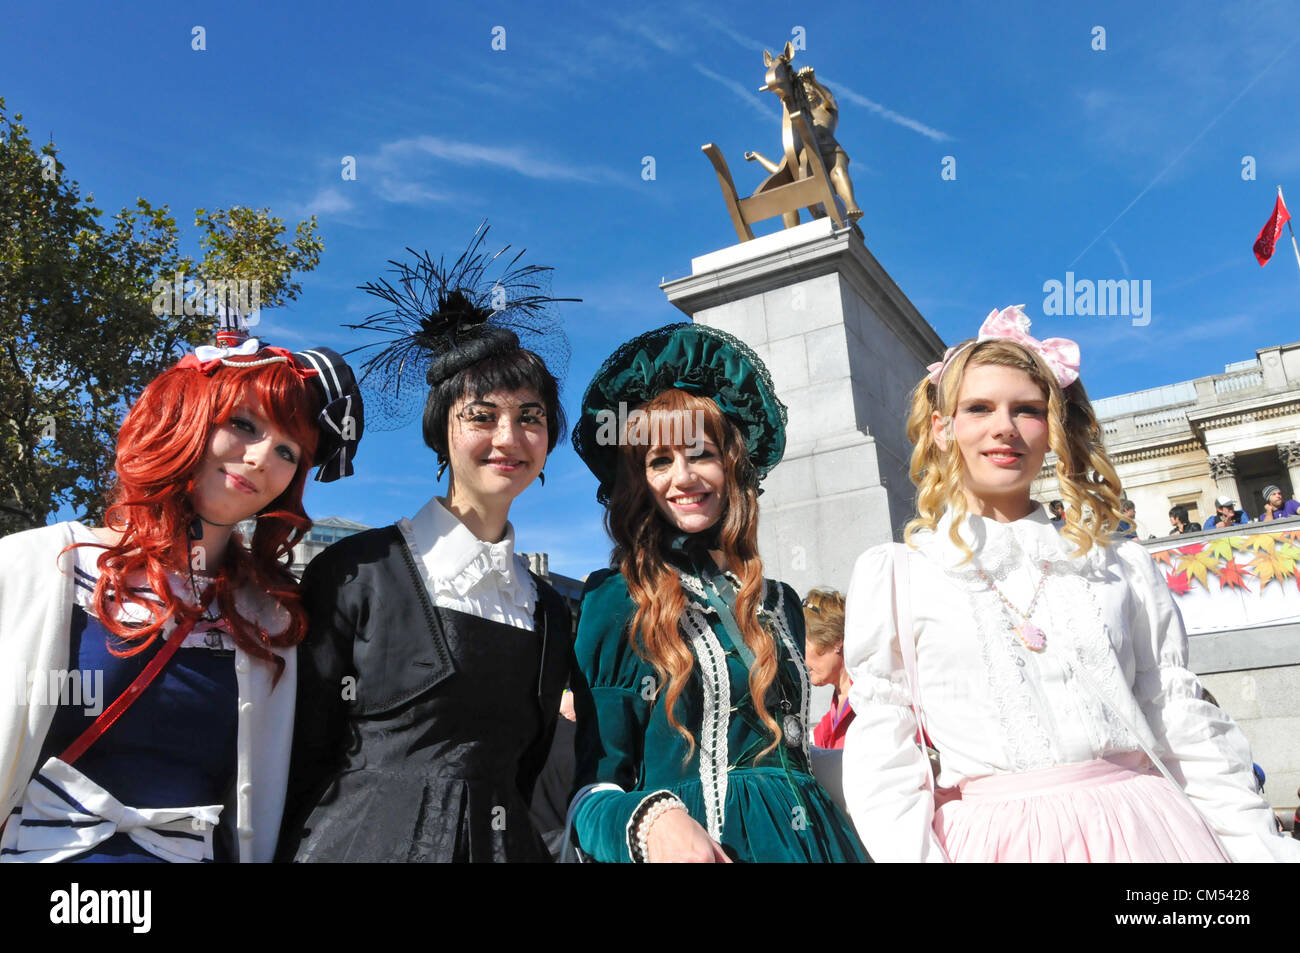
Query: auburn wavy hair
642	536
160	447
1090	487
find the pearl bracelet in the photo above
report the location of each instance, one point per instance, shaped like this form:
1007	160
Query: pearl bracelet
650	811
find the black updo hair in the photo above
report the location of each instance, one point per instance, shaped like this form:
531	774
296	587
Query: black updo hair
504	370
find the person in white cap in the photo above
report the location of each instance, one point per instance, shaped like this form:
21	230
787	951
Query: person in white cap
1226	514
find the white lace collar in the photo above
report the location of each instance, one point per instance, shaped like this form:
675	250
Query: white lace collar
456	560
999	547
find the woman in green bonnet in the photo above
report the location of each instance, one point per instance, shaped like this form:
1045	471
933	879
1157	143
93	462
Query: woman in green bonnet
692	698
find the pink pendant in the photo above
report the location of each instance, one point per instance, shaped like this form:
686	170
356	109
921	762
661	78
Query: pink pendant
1033	637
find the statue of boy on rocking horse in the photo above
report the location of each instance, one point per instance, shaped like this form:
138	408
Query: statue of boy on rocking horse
804	178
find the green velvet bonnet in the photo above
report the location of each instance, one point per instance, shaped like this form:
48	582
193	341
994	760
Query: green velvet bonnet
694	358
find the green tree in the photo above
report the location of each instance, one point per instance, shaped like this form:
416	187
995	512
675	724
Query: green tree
80	335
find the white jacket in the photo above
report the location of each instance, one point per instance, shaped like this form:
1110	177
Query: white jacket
36	602
992	708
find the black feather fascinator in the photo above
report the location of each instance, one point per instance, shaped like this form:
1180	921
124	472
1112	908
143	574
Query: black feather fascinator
443	318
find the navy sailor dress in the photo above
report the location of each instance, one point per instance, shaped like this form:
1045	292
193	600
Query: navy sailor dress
150	789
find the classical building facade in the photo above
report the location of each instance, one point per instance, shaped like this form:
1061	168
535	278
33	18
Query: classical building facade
1229	434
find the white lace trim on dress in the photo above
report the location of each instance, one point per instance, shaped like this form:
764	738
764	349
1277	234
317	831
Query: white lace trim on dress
716	716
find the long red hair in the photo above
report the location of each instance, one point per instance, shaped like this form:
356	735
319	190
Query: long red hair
162	442
642	537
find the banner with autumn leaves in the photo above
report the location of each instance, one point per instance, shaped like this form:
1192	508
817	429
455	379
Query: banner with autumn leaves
1229	582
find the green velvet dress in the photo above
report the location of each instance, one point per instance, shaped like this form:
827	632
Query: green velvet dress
760	808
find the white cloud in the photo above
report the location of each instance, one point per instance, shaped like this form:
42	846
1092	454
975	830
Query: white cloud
884	113
748	42
1123	263
524	161
665	43
392	188
739	89
328	201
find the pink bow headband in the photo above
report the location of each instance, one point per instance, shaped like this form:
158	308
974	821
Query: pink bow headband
1012	324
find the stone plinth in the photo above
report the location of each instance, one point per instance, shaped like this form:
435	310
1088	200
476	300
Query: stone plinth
845	347
1263	701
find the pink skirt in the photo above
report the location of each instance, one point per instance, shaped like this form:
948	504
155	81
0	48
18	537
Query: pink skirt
1113	810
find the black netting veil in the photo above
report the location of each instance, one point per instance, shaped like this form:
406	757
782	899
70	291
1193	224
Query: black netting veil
442	318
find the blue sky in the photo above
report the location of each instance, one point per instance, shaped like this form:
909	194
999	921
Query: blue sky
1125	162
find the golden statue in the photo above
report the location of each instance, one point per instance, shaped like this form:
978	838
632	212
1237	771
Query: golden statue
809	114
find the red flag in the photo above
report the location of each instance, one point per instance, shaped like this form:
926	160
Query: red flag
1268	235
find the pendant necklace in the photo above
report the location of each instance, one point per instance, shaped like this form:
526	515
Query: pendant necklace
206	612
1033	638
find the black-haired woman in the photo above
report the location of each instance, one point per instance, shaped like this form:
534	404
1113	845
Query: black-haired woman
432	672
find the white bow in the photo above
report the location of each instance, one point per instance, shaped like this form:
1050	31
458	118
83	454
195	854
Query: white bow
84	815
206	352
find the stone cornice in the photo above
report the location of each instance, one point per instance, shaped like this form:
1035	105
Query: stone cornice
1137	454
1233	417
1152	453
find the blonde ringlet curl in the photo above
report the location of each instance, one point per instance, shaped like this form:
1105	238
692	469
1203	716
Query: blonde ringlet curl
642	537
1090	487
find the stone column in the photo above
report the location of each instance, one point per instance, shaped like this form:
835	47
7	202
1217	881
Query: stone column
1289	455
845	348
1223	470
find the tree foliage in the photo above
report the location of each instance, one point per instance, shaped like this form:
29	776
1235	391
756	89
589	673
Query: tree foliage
79	336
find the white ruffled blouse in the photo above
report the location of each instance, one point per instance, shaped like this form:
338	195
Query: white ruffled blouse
464	573
992	706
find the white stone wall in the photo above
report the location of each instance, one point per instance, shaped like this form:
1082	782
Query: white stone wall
1266	704
844	347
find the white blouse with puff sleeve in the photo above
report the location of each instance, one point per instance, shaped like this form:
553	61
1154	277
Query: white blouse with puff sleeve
994	707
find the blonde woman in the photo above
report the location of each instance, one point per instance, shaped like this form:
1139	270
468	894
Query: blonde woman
823	618
1048	666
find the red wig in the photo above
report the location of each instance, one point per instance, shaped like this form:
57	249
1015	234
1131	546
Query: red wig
162	442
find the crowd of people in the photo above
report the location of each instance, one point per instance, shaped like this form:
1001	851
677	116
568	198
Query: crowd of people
1228	513
1006	684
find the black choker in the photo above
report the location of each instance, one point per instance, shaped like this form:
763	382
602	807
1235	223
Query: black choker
693	548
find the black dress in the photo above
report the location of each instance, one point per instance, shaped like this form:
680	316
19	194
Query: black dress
419	731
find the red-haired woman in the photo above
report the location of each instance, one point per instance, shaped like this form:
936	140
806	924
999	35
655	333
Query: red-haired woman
149	663
693	698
